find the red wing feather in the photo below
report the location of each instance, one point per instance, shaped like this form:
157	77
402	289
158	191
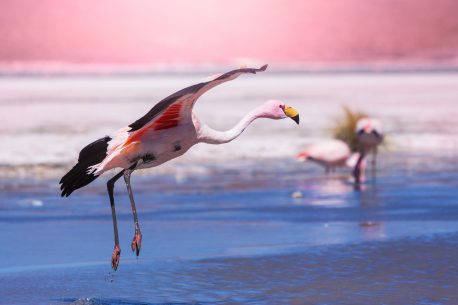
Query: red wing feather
169	118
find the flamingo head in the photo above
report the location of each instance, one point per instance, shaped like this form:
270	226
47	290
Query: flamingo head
303	155
278	110
369	125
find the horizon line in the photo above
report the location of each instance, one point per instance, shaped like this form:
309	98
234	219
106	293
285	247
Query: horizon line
62	68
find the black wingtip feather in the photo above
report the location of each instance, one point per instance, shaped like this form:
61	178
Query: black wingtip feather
263	68
79	175
76	178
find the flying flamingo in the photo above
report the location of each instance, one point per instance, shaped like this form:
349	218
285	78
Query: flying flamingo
329	154
166	132
369	135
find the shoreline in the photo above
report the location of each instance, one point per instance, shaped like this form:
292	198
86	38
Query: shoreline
190	165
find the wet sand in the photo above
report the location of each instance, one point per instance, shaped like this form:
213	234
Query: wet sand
234	235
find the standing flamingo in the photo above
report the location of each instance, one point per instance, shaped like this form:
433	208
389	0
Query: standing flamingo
166	132
329	154
369	135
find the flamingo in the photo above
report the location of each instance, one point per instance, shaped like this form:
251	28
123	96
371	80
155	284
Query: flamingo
369	135
166	132
329	154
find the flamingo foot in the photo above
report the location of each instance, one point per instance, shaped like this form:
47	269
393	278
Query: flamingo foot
115	257
137	242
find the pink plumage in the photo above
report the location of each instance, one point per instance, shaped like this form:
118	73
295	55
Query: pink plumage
166	132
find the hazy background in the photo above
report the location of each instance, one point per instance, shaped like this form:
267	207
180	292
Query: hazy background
57	35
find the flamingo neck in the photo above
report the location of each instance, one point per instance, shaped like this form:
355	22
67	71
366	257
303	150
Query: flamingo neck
211	136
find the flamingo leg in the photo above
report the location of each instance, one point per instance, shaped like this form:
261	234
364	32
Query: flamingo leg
137	240
374	162
116	255
357	169
374	157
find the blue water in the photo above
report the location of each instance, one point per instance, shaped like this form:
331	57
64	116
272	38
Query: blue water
236	235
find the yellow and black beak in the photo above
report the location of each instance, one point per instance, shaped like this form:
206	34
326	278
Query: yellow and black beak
292	113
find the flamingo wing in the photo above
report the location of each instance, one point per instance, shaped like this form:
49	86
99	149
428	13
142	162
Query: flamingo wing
176	109
172	111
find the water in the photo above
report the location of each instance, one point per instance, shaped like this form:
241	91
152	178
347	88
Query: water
237	236
220	225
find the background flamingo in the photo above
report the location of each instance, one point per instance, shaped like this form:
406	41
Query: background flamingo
356	132
167	131
369	135
330	154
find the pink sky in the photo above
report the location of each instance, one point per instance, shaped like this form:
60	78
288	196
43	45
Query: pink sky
221	32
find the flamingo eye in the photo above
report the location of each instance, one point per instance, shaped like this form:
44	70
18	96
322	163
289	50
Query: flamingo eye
282	107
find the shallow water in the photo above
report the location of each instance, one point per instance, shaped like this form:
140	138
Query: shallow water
221	225
235	235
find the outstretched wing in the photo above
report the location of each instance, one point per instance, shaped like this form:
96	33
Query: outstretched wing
172	111
176	109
